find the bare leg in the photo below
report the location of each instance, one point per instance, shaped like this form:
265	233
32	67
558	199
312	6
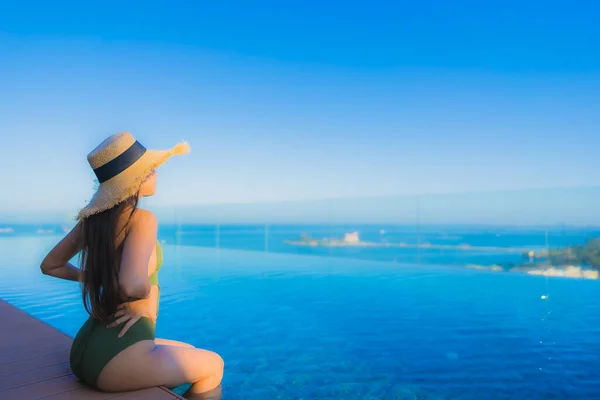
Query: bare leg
146	364
169	342
214	394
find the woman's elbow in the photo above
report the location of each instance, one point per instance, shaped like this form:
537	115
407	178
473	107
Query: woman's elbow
46	267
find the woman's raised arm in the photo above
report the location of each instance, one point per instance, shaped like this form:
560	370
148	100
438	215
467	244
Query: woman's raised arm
56	263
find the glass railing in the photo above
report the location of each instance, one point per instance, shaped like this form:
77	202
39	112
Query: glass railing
505	230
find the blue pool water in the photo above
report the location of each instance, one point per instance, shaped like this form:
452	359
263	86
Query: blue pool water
298	327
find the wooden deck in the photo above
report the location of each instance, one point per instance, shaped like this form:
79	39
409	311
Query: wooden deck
34	363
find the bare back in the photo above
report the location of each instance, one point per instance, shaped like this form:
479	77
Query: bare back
136	241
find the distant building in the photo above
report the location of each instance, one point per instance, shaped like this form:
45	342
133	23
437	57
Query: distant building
351	237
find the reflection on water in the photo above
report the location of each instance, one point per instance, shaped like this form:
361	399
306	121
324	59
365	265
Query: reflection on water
325	328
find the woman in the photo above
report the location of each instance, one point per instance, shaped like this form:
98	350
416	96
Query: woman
115	349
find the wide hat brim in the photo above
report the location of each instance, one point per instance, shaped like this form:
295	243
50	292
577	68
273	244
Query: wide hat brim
127	183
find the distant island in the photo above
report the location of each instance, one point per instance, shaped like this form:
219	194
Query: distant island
352	240
578	261
585	254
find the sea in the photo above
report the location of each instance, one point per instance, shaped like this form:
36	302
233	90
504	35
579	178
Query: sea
276	238
299	322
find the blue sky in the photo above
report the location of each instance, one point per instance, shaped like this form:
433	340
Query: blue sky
301	100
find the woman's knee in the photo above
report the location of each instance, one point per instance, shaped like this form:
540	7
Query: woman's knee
206	364
218	363
216	368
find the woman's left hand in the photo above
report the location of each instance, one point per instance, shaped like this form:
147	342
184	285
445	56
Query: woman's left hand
126	314
130	312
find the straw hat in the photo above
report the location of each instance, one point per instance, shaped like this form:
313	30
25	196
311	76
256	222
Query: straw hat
121	164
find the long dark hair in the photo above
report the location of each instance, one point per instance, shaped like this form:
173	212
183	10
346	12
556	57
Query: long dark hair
100	260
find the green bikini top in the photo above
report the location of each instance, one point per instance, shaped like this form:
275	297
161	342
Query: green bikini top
154	277
159	259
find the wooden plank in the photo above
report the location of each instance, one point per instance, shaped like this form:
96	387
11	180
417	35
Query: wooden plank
31	338
80	394
34	363
145	394
149	394
35	375
18	367
41	389
28	327
156	393
24	353
84	394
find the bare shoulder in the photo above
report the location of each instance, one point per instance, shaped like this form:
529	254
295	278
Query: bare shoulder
141	236
144	219
143	230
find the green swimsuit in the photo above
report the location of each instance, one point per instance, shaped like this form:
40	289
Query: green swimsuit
95	345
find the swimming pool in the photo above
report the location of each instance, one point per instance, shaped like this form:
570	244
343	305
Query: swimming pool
300	327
